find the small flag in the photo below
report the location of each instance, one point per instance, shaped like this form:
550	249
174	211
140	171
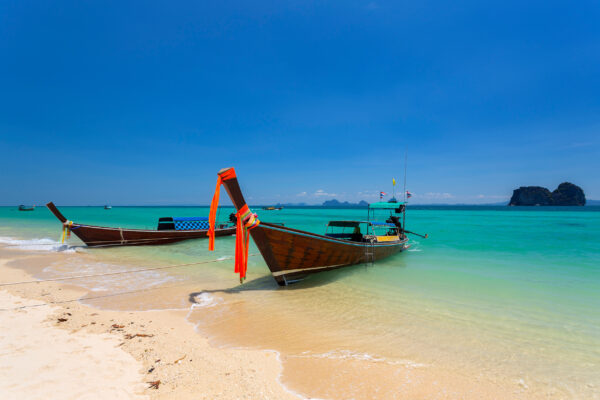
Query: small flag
381	194
408	194
394	181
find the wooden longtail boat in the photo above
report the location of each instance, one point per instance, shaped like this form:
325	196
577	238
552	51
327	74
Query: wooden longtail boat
100	236
292	254
272	208
26	208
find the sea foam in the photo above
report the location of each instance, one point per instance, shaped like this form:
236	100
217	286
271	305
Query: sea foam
353	355
205	300
44	244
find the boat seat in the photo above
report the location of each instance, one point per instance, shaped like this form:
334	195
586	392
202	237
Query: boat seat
165	224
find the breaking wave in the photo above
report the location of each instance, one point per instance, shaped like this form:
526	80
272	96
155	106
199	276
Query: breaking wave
44	244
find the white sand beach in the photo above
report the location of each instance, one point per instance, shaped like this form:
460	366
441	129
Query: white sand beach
72	351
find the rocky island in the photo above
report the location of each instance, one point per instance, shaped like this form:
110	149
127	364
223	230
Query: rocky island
338	204
566	194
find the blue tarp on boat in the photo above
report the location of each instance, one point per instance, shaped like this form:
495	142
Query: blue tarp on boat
190	223
375	223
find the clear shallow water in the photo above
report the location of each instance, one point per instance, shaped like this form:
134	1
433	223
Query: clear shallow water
512	291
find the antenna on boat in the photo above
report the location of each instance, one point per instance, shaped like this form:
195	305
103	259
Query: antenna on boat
404	209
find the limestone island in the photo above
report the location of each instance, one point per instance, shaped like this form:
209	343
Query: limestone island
566	194
338	204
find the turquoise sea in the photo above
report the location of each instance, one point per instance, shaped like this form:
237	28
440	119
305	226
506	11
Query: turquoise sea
513	292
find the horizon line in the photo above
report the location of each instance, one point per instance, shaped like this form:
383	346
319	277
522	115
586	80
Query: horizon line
351	205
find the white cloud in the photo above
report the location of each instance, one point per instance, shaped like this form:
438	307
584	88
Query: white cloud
368	193
301	194
436	195
321	192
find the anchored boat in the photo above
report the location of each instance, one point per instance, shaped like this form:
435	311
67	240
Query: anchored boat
169	230
26	208
292	254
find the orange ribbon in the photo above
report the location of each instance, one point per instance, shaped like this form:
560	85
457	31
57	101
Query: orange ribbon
212	216
246	220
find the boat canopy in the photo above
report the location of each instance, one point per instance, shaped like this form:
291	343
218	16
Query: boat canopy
386	205
357	223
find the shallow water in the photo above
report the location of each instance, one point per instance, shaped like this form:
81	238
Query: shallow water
512	293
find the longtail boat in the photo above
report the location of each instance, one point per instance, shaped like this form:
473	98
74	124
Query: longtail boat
292	254
169	230
26	208
271	208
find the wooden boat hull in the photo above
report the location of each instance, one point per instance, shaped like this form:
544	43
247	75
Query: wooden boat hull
100	236
292	254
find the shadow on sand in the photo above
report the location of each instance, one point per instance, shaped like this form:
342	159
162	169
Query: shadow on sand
268	283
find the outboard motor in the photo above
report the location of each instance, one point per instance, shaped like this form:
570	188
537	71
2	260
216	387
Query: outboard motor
232	218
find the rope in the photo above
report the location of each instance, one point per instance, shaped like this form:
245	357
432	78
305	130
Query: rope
92	297
117	273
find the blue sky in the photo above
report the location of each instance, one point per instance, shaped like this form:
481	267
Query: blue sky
143	102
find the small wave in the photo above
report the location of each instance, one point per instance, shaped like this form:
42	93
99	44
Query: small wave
44	244
352	355
205	300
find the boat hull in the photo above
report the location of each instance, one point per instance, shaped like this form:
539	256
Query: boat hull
293	254
99	236
102	236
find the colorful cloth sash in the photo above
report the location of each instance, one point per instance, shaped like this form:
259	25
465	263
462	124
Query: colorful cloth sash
66	231
246	220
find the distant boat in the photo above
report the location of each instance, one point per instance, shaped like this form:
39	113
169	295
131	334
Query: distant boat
107	207
26	208
169	230
272	208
